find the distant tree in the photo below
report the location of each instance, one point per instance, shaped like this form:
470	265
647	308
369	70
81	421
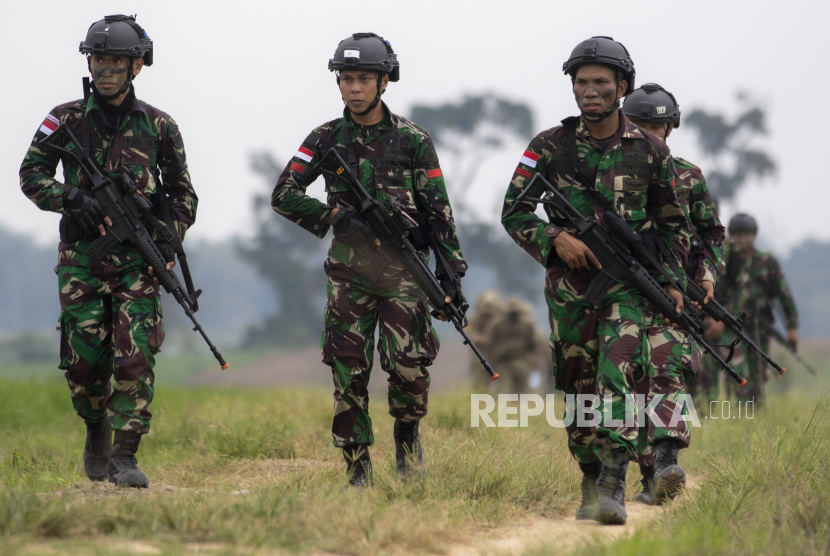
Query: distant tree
287	257
730	144
471	131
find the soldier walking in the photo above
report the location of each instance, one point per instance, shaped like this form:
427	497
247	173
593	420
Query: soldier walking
515	346
488	309
674	356
751	283
110	320
602	162
394	159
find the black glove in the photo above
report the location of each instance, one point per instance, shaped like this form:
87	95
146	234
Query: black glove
167	251
84	209
350	228
452	287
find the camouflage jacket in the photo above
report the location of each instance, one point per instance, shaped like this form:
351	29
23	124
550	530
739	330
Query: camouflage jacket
147	140
635	173
706	230
753	284
396	158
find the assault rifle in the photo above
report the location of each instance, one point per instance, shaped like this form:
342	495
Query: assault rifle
720	314
127	208
767	329
612	247
390	224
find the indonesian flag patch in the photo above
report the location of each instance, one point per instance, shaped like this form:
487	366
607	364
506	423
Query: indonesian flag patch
434	173
50	124
529	159
304	154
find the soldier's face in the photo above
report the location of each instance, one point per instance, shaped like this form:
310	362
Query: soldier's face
656	129
109	73
595	89
743	240
358	88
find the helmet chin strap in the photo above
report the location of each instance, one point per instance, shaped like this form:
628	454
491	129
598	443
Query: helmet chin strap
374	102
596	118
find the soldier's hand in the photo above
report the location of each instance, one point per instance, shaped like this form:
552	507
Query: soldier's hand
792	337
170	266
678	300
715	330
709	288
573	251
441	315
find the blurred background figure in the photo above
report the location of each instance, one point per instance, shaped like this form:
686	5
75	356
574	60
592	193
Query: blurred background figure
488	308
516	346
752	282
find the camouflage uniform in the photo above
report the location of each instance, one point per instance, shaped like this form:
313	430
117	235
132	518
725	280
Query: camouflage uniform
675	357
751	286
488	308
514	346
598	350
396	159
111	313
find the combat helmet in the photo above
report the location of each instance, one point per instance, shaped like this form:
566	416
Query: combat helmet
366	51
742	223
119	35
516	305
607	52
652	103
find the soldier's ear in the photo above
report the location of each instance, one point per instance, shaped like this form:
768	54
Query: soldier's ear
384	82
138	63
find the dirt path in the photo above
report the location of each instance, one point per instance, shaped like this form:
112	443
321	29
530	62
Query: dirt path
565	534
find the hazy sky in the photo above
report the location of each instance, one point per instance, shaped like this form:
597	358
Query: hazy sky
243	76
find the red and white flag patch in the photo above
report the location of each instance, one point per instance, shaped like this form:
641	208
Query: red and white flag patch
304	154
434	173
50	124
529	159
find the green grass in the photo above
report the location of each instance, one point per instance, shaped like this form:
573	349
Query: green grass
253	472
206	445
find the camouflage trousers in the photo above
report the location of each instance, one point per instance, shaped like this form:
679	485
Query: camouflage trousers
407	344
111	328
674	360
598	351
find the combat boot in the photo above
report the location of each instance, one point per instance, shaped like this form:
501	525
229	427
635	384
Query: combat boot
611	490
647	480
408	448
358	466
97	449
590	474
123	468
669	478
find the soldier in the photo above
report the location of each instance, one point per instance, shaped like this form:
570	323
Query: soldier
674	356
753	280
488	309
603	162
110	320
514	346
394	158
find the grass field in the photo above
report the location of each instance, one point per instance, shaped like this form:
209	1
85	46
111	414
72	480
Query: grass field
253	472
